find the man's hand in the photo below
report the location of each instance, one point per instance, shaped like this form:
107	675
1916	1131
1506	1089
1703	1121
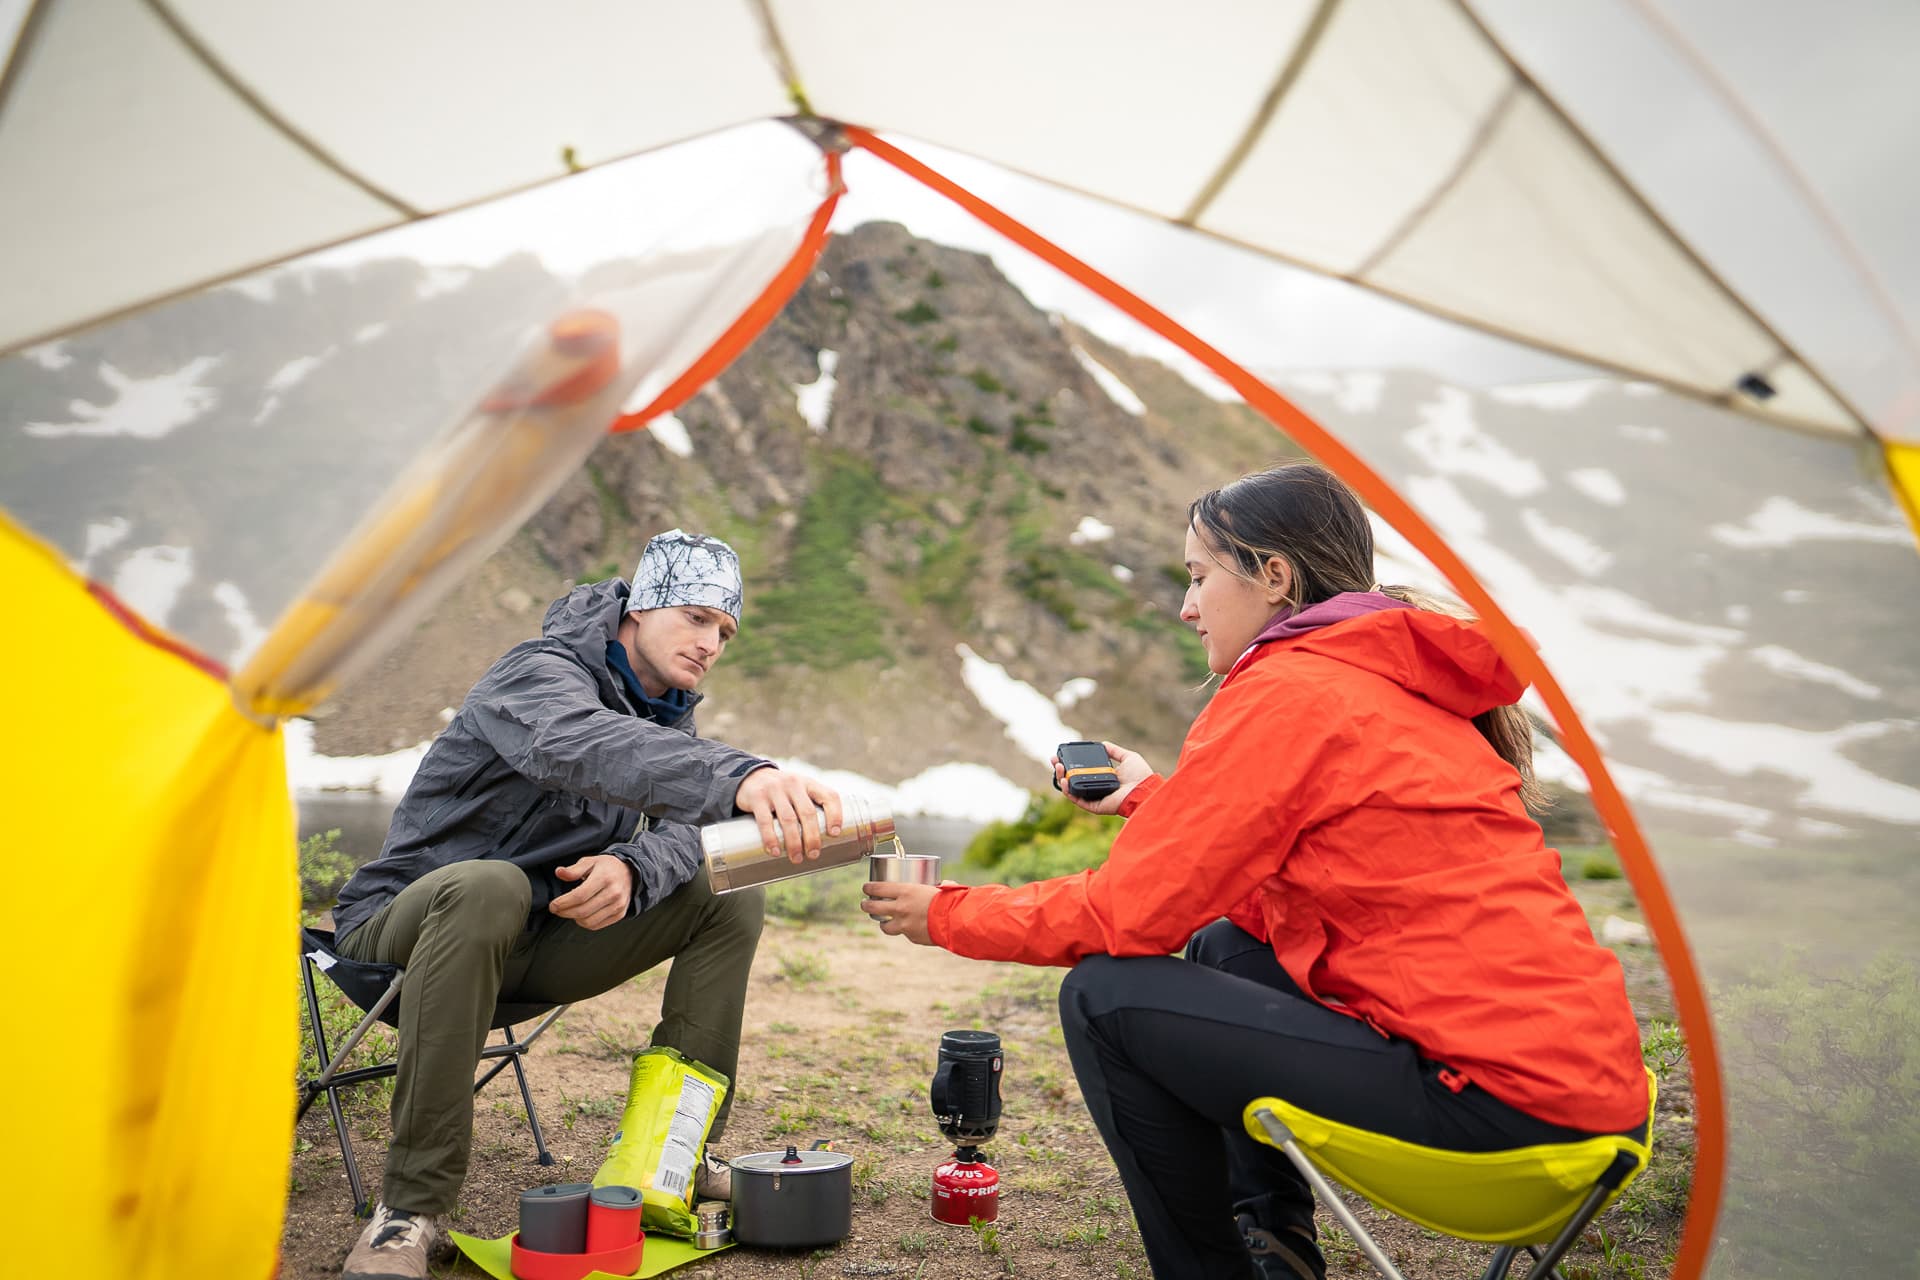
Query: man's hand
1129	766
774	795
604	892
901	909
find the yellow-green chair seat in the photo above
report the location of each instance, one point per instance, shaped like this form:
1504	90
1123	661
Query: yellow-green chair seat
1516	1197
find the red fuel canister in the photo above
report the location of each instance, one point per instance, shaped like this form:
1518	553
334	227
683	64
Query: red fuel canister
965	1191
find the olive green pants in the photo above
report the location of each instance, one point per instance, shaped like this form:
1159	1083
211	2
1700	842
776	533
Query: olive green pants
461	934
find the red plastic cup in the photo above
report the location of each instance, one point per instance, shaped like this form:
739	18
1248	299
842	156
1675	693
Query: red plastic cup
613	1218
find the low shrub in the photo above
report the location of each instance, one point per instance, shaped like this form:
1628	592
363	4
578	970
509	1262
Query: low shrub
323	869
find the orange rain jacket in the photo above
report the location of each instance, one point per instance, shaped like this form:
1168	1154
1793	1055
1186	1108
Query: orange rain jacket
1335	799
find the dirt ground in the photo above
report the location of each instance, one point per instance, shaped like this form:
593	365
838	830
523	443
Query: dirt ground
843	1027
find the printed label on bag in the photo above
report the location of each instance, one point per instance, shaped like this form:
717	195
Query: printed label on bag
685	1134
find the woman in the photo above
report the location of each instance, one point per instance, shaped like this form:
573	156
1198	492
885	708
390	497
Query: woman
1399	951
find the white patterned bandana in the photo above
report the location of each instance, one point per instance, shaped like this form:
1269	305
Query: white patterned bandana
679	568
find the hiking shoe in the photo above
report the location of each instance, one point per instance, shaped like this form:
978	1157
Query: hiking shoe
396	1245
1285	1255
712	1178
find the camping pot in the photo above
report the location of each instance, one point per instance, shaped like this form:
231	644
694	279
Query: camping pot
736	859
792	1199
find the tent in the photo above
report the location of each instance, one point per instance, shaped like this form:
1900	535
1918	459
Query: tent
1649	189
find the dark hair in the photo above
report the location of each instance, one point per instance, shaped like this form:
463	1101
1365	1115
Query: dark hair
1308	517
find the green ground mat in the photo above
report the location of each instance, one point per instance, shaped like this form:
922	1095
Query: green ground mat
662	1254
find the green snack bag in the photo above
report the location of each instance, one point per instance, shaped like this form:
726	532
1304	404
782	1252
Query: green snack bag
670	1107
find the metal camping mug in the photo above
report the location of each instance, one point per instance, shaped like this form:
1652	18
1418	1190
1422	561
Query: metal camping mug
904	868
736	859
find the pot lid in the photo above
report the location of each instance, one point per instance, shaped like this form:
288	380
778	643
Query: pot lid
791	1161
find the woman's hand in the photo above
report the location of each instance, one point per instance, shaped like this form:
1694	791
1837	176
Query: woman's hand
901	909
1131	768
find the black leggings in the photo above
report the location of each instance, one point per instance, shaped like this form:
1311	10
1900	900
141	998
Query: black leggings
1169	1052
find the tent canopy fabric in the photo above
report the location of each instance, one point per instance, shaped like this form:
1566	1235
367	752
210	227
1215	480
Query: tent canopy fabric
152	146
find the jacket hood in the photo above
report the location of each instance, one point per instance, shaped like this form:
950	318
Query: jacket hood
1448	661
1348	604
586	620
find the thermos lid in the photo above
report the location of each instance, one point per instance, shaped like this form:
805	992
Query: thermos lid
791	1162
615	1197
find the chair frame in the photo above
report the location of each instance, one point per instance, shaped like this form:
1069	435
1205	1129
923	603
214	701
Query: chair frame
1544	1263
332	1079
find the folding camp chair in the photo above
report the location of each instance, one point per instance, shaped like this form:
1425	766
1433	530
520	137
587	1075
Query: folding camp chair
1515	1199
376	988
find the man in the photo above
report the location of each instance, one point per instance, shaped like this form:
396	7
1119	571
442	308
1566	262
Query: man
547	850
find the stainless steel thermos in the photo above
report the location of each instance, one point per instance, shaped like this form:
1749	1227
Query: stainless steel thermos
736	859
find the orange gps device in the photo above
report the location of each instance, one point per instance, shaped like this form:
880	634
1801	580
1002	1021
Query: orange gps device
1088	770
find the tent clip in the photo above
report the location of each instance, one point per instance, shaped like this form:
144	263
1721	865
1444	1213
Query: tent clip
828	135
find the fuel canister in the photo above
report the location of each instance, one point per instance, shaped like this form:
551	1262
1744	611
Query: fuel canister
965	1191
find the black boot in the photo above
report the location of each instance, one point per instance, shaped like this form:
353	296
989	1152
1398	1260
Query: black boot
1281	1255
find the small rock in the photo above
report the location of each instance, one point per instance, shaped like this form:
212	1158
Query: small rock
1615	930
949	511
515	600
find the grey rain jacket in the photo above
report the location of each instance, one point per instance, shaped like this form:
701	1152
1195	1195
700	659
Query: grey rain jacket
549	761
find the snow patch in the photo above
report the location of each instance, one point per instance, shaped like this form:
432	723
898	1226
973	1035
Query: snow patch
1785	662
286	377
1599	484
1551	395
1360	392
103	535
309	771
1817	759
260	288
1313	381
1030	717
150	581
1574	549
1123	573
1117	391
1643	786
143	408
1781	522
815	399
442	279
1090	530
1078	689
672	435
239	614
293	371
965	792
1452	443
50	355
1445	508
